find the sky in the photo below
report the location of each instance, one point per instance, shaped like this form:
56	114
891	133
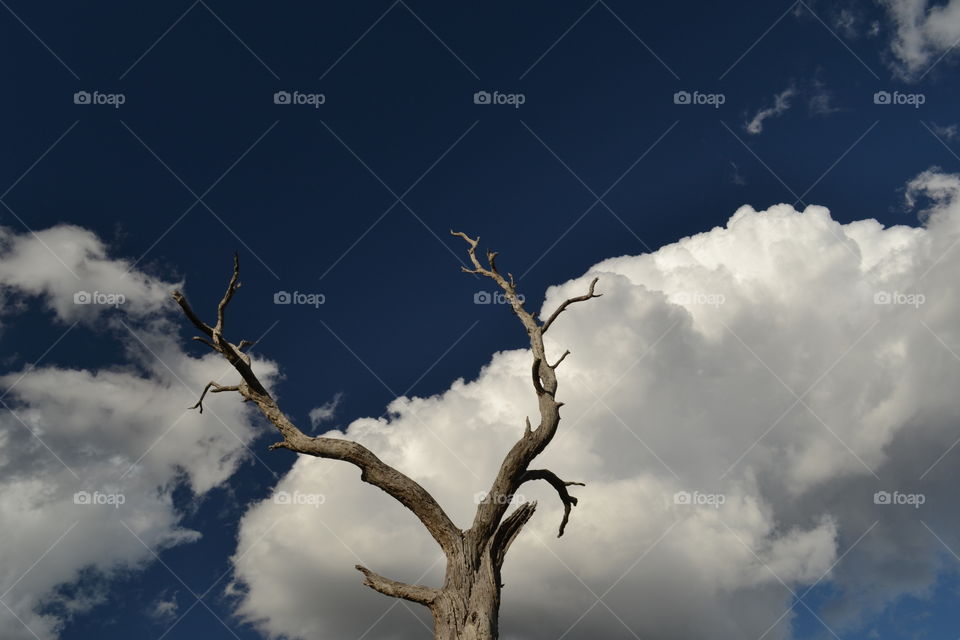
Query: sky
762	405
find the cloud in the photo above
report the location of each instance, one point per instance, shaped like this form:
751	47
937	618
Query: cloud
948	132
781	103
821	101
737	177
90	457
164	609
58	263
326	411
783	361
924	33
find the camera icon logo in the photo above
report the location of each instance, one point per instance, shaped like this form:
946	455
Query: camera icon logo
482	97
482	297
881	497
681	497
81	97
81	497
882	297
81	297
881	97
282	497
281	97
282	297
681	97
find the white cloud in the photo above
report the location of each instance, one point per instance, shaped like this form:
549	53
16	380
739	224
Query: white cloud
121	435
781	103
326	411
924	32
682	378
60	262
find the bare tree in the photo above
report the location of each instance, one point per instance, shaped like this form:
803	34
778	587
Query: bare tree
466	607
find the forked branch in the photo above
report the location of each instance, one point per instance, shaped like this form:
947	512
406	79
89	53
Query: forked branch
489	522
217	388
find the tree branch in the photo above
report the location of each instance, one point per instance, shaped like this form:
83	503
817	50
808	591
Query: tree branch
508	286
206	342
192	317
373	470
217	388
412	592
508	530
487	524
557	364
568	500
590	294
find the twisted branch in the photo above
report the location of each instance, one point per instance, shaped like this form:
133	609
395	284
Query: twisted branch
373	470
568	500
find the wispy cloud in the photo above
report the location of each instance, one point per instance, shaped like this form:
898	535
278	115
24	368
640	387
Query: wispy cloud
781	103
326	411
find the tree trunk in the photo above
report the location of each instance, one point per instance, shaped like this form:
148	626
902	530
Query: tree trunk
468	606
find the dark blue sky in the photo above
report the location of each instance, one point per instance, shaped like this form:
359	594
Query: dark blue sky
354	199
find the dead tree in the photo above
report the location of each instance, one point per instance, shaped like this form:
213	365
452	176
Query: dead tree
466	607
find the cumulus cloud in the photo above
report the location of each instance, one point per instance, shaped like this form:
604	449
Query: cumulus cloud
781	103
776	373
924	33
89	457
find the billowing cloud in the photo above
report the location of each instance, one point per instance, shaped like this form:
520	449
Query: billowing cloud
89	458
756	410
924	33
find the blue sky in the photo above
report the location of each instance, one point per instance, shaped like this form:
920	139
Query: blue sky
353	199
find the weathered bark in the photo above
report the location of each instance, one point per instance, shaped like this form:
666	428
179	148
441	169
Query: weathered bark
467	606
